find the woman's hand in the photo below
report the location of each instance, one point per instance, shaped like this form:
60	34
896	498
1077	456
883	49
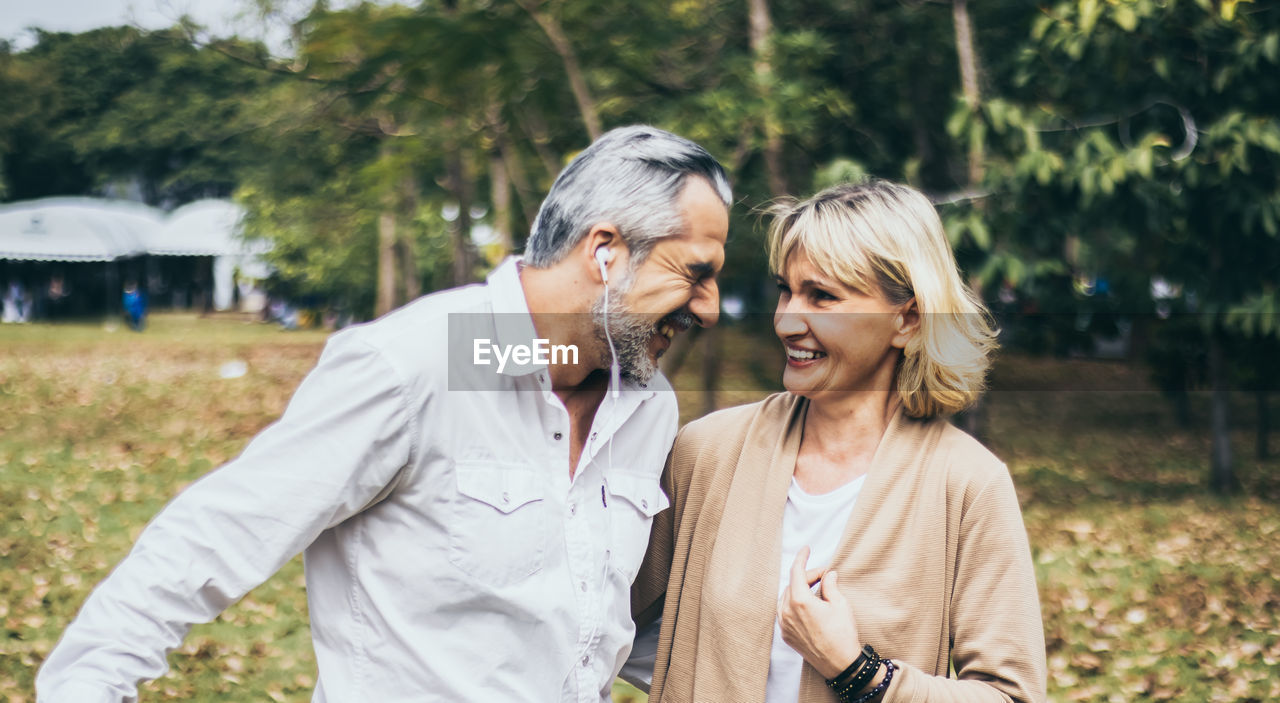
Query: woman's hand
821	629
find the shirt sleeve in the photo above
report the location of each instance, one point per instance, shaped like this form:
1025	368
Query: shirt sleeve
997	646
343	439
638	669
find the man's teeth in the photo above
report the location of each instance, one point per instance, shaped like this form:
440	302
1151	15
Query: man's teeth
803	355
666	330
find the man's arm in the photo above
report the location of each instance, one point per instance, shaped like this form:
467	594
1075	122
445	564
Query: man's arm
638	669
344	437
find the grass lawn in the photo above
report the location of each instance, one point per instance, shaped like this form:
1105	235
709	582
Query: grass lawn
1151	590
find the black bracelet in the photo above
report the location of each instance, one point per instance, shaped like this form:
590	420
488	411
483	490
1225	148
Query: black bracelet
865	675
880	688
857	675
867	653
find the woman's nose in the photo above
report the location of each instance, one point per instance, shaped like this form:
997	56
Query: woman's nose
788	322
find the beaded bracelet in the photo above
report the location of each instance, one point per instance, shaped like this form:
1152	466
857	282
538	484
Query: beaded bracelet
858	675
871	695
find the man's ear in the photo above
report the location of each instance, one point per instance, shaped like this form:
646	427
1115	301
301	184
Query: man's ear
906	324
603	235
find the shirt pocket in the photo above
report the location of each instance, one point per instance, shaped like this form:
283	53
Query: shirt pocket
499	522
636	499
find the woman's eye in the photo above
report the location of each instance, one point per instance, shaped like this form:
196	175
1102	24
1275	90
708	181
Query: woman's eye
819	294
783	287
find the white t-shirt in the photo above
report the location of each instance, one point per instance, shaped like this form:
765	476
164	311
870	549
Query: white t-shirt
817	522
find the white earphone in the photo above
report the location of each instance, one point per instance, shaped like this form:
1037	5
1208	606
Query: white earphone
603	257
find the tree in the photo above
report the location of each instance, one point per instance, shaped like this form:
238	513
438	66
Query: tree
1142	143
118	106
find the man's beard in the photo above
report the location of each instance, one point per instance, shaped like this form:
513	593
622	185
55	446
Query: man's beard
632	333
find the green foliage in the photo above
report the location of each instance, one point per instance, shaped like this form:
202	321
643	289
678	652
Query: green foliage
116	106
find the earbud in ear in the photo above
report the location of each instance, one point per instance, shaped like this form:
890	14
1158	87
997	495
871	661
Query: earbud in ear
603	256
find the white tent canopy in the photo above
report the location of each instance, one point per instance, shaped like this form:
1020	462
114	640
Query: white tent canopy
75	229
92	229
202	228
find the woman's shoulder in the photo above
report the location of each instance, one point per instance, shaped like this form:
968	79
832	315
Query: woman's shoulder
968	461
719	436
722	425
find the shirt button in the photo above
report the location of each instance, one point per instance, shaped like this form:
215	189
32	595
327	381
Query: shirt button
644	504
573	509
557	436
506	497
584	586
542	378
593	435
586	661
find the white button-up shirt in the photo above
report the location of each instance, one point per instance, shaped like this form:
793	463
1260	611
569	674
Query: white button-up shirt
448	554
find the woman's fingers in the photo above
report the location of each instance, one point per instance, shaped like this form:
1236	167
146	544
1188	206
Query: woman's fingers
812	576
831	589
799	584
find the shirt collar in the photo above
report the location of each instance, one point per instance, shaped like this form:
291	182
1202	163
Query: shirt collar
512	320
513	323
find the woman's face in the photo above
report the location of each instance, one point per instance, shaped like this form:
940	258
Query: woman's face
837	338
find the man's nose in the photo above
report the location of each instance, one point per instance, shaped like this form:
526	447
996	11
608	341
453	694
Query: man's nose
706	304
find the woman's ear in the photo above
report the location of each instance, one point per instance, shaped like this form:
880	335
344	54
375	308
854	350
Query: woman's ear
906	324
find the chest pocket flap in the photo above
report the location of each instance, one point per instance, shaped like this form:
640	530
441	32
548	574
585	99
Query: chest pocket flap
642	492
503	488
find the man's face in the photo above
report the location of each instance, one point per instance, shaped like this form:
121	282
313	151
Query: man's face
673	289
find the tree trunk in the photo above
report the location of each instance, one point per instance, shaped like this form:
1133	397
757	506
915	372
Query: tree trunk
711	360
500	194
1264	423
531	122
1182	408
577	81
974	419
386	297
460	234
529	200
1222	477
761	32
408	257
968	58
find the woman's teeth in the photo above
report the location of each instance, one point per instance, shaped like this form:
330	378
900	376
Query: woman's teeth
803	354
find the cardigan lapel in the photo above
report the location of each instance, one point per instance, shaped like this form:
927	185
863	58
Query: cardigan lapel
899	444
748	547
897	453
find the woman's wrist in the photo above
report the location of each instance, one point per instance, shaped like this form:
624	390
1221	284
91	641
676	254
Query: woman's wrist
832	668
865	681
861	675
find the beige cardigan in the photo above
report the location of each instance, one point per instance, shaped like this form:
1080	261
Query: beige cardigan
934	563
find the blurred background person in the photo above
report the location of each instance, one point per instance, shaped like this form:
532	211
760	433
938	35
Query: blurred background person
135	306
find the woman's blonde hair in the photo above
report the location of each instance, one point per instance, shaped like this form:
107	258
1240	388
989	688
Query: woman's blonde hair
885	237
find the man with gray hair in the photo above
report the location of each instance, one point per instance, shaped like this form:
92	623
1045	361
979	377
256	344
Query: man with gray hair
468	534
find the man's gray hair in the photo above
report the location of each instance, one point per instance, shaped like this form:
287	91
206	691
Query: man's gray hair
631	177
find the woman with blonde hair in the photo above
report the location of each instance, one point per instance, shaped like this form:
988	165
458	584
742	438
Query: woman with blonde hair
852	482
